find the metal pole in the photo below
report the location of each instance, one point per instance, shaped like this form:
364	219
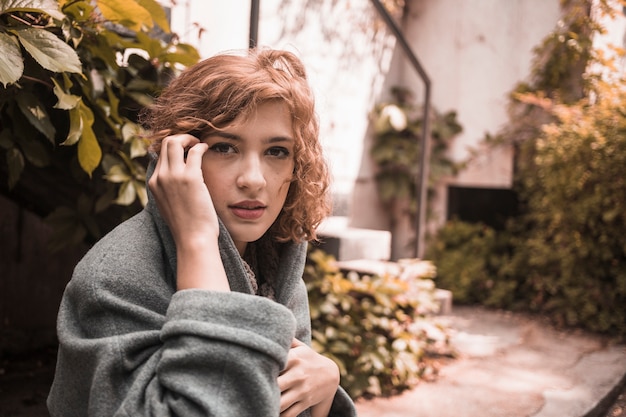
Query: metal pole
254	24
424	167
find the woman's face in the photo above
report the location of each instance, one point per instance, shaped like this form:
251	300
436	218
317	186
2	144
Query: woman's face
248	169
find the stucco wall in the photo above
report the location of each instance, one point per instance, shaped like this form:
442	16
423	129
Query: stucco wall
474	51
345	46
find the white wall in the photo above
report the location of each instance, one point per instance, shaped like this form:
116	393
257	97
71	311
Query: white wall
475	52
212	26
345	47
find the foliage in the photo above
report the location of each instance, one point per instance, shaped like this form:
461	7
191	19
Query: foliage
564	256
575	193
471	259
396	148
75	77
374	327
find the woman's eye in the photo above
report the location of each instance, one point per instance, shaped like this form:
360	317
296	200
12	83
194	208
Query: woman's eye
278	151
223	148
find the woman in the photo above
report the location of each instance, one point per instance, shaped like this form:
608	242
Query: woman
196	306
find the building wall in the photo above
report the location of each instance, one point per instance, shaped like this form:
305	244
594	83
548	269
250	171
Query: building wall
344	45
474	51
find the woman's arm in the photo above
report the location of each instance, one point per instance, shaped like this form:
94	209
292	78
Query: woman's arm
210	353
184	202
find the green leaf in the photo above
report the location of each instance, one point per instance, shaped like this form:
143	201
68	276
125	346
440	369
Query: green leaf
66	101
117	174
157	12
140	188
126	195
89	151
138	147
12	62
105	200
126	13
6	140
183	58
15	163
49	7
36	114
152	46
35	151
76	127
49	51
114	101
67	228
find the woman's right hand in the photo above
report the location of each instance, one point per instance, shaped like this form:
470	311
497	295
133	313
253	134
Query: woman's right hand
179	190
184	202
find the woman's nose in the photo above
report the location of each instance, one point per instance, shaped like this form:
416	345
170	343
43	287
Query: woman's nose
251	174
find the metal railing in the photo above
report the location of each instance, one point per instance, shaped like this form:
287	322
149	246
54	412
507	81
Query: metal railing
422	176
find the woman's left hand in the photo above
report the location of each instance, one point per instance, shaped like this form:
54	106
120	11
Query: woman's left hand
308	380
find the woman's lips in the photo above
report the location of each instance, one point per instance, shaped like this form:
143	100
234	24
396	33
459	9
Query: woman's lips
248	211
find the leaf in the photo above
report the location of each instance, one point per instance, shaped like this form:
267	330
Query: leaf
12	62
36	114
126	195
157	12
126	13
138	147
117	174
151	45
105	200
66	101
15	163
114	101
142	193
35	151
49	51
89	151
76	127
49	7
183	58
6	140
67	228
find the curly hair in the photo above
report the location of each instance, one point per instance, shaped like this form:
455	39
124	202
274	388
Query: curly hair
213	93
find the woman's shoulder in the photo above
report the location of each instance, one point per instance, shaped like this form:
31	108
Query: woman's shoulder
129	258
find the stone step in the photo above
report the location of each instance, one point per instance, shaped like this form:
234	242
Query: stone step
346	243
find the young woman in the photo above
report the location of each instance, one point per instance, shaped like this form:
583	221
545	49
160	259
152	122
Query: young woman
196	306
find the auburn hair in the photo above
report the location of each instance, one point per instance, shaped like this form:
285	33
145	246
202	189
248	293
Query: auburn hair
211	94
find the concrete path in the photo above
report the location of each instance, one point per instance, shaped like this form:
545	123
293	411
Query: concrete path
512	366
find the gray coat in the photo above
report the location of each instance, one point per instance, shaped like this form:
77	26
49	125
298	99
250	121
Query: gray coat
131	345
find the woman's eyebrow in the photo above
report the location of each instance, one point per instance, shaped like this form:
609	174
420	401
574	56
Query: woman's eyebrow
276	139
224	135
231	136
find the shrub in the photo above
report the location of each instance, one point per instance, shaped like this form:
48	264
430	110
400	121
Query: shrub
575	191
73	77
374	327
565	256
469	259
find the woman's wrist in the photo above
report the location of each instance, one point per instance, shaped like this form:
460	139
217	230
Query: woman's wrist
199	265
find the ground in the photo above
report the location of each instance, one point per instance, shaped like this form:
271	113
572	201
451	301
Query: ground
25	381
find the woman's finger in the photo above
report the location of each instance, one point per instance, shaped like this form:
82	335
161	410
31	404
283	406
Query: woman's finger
175	148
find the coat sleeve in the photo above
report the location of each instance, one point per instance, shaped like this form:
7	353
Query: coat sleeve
127	349
294	295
